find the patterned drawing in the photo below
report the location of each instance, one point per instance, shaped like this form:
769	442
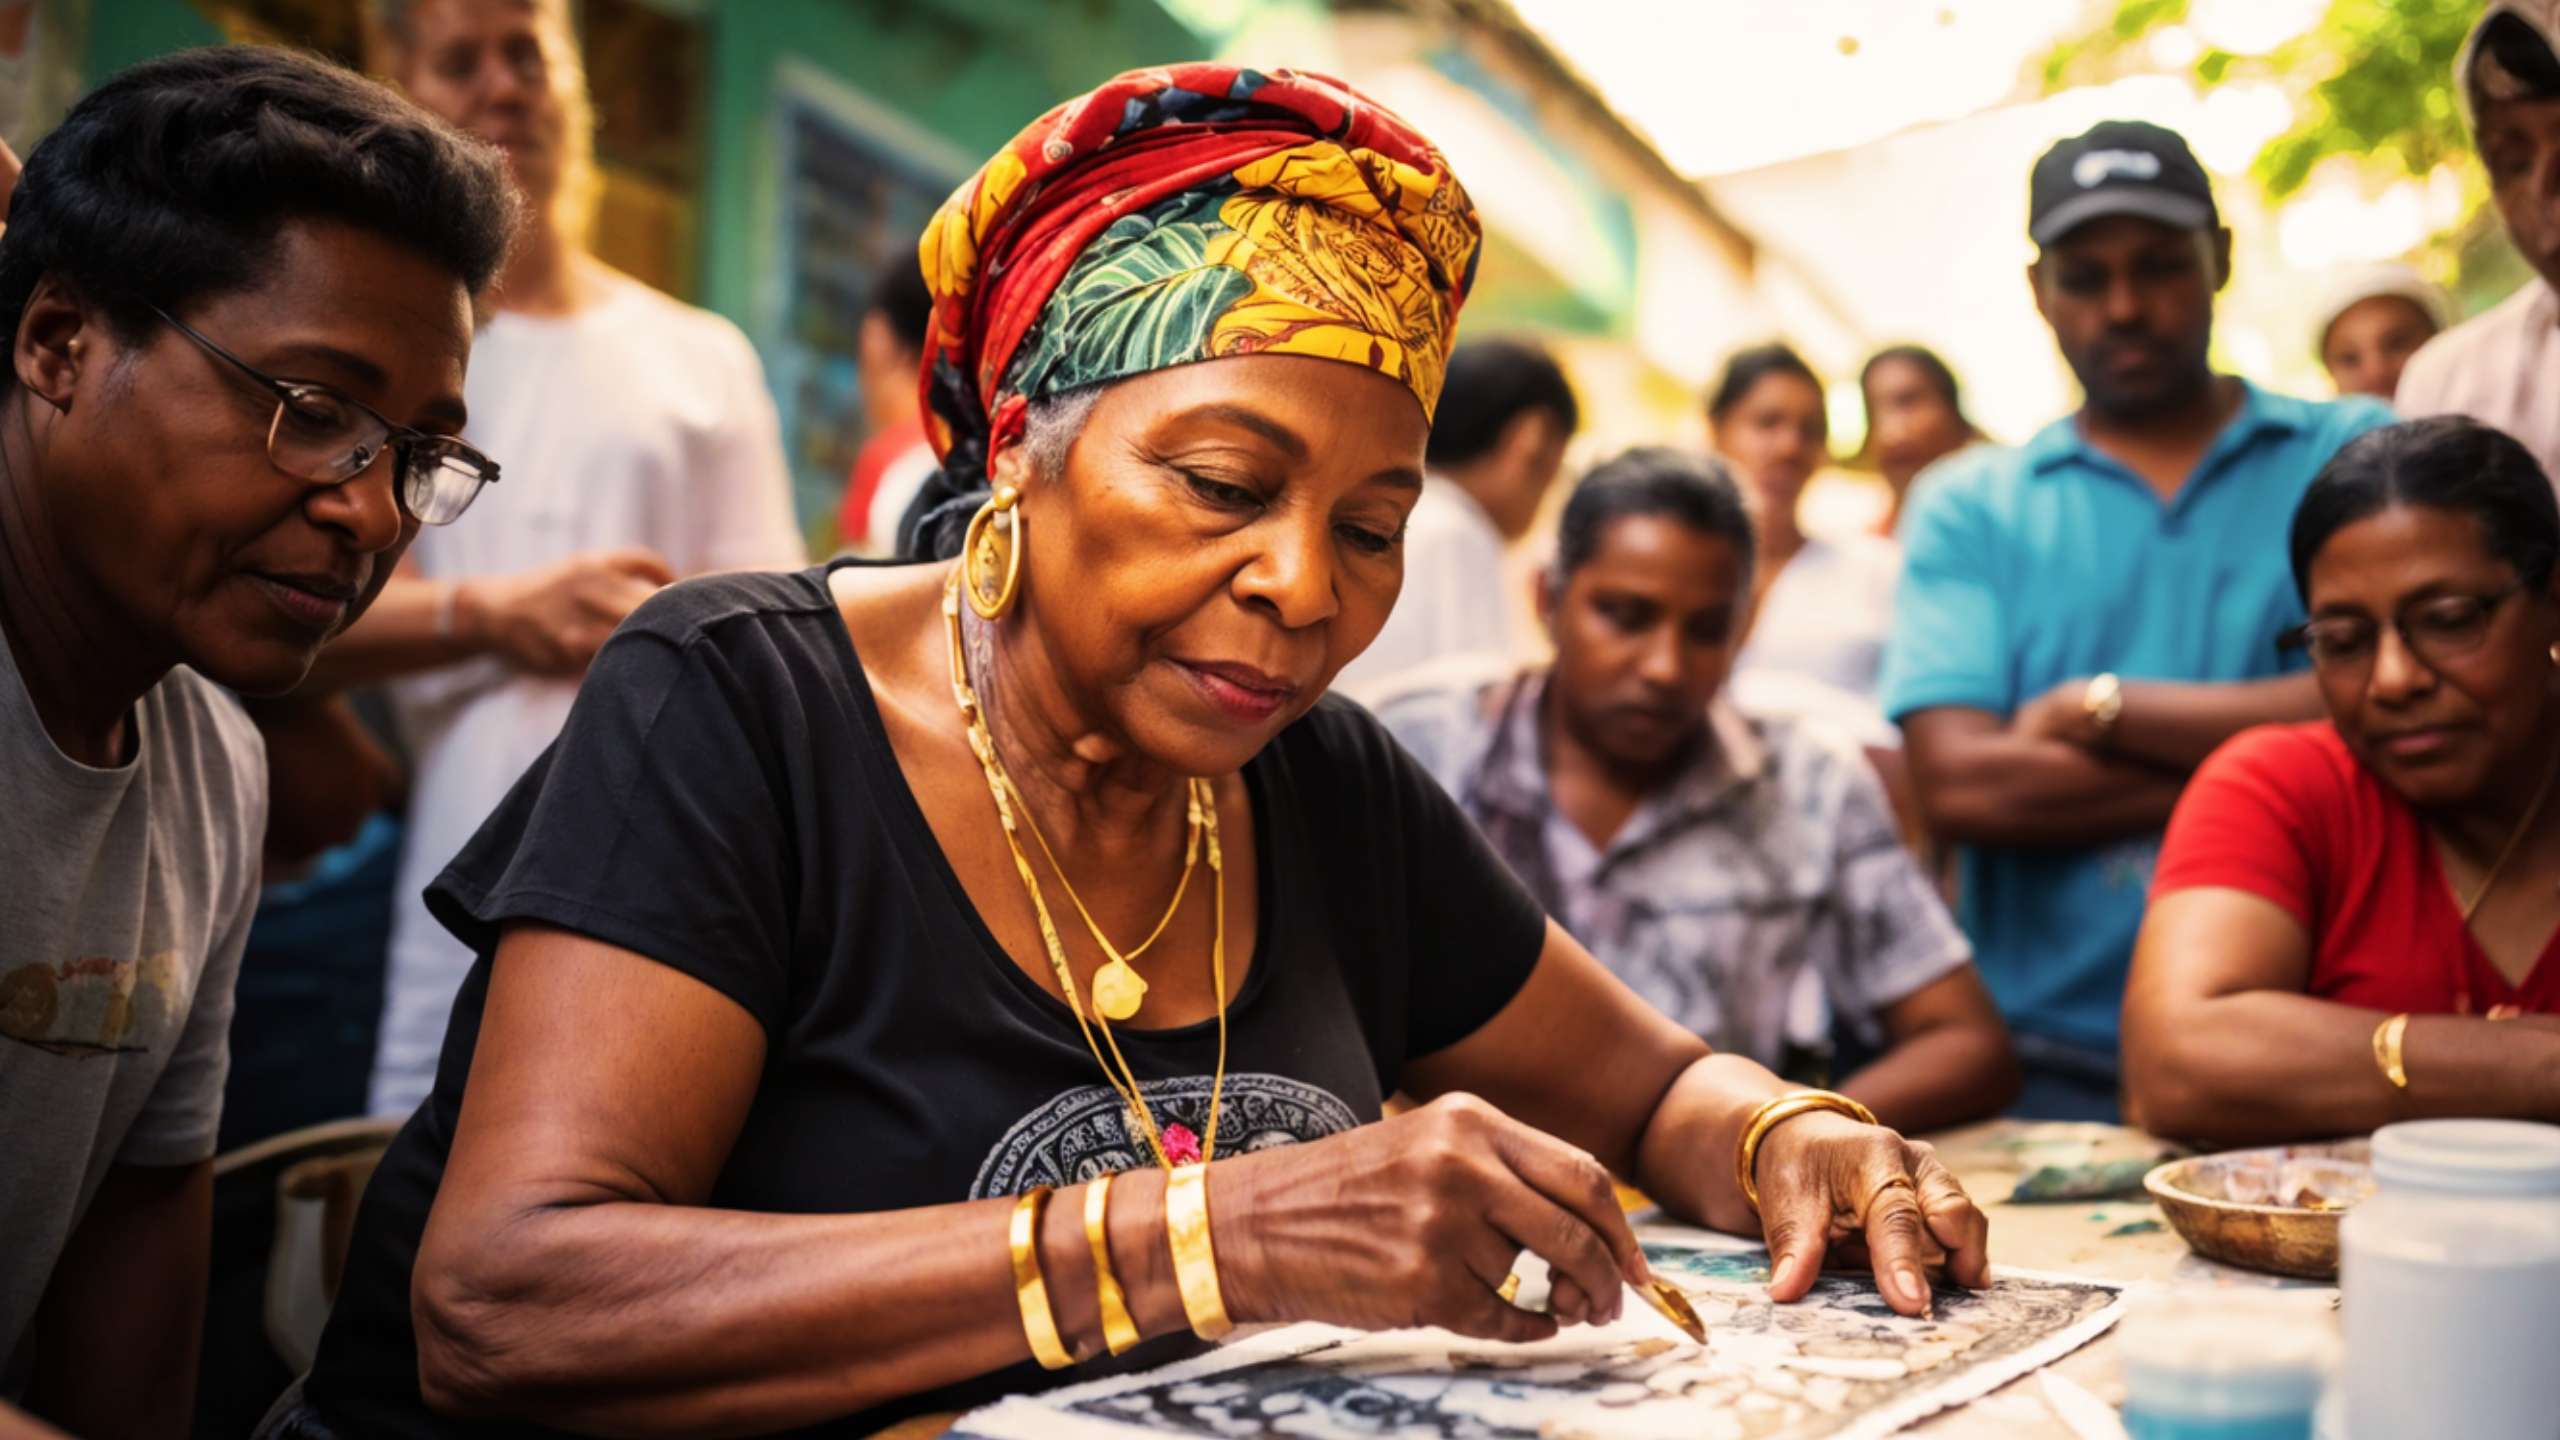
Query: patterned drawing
1839	1365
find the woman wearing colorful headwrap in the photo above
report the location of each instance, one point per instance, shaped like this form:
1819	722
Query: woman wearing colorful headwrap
857	908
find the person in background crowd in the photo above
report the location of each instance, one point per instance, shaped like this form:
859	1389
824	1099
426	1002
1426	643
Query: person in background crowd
2323	883
895	459
778	1071
238	286
1819	614
2083	618
1743	875
1915	418
1497	446
642	445
2372	320
2497	367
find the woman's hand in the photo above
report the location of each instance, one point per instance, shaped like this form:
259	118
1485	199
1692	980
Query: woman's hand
1828	1182
1416	1221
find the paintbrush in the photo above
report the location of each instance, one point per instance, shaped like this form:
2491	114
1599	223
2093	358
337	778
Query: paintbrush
1673	1306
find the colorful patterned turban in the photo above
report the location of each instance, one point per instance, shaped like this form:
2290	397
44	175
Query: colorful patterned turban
1181	213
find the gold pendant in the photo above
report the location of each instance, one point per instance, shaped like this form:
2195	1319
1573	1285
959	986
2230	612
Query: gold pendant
1118	991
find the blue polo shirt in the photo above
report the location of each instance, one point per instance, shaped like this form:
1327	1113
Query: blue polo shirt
2024	567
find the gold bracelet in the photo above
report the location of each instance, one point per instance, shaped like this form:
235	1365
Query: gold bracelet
1118	1330
2387	1040
1039	1325
1195	1263
1777	1111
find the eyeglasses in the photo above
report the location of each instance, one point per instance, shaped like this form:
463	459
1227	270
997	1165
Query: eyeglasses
2438	631
322	436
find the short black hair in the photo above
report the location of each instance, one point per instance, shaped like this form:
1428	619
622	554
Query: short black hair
174	179
1696	490
1748	368
2449	463
1489	384
901	298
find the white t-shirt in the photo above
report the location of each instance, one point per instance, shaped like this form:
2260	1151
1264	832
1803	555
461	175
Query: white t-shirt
1818	644
126	904
1455	603
639	420
2500	367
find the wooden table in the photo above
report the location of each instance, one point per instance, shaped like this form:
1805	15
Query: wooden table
2072	1238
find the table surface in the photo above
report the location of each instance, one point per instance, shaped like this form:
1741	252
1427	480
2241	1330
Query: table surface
2071	1238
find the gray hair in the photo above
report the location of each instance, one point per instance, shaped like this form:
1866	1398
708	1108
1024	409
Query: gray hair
1051	424
939	516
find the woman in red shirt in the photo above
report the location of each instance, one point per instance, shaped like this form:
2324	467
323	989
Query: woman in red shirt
2353	921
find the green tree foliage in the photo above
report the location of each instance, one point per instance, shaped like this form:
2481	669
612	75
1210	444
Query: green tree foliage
2371	85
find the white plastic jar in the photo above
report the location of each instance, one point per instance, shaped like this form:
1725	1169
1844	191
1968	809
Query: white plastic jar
2450	1283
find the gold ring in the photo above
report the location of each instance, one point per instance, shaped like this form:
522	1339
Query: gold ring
1509	1290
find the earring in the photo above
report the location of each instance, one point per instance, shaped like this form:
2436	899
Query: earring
2555	657
993	541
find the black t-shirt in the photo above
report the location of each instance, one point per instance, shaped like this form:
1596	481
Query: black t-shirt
724	800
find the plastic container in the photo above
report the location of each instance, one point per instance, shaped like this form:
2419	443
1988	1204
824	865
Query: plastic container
2450	1284
2213	1364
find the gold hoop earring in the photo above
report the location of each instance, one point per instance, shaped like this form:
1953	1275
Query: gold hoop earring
981	551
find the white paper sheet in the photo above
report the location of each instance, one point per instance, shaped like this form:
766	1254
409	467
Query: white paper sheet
1838	1365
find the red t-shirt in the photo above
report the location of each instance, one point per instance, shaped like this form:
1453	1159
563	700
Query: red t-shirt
2286	812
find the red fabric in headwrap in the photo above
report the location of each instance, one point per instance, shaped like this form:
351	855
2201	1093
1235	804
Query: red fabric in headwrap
1273	157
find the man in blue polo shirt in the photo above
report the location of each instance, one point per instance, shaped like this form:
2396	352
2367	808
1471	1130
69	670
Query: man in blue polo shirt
2083	618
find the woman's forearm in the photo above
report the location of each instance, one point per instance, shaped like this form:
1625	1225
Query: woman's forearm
627	1318
1685	1158
1942	1076
2267	1066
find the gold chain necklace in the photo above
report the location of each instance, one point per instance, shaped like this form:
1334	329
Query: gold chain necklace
2515	839
1009	803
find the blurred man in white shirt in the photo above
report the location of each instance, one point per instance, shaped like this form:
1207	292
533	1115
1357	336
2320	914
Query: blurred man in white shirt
2499	367
1497	445
642	446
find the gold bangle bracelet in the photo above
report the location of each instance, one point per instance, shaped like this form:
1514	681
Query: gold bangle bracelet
1195	1263
1118	1330
1039	1325
1777	1111
2388	1038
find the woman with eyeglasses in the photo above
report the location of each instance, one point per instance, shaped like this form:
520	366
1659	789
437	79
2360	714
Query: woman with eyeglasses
2354	921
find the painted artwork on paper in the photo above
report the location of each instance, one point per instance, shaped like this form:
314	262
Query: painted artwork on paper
1838	1365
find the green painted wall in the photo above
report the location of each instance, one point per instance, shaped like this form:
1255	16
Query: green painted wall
969	72
122	32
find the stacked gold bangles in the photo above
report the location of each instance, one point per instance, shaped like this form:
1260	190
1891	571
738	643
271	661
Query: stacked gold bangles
1195	1266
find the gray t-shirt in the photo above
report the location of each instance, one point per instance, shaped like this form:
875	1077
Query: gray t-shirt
125	897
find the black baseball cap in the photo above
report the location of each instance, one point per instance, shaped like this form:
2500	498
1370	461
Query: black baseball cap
2118	167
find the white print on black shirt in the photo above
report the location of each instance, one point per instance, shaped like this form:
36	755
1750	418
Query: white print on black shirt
1085	1133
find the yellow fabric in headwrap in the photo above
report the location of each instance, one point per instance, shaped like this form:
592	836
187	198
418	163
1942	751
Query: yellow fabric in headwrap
1187	213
